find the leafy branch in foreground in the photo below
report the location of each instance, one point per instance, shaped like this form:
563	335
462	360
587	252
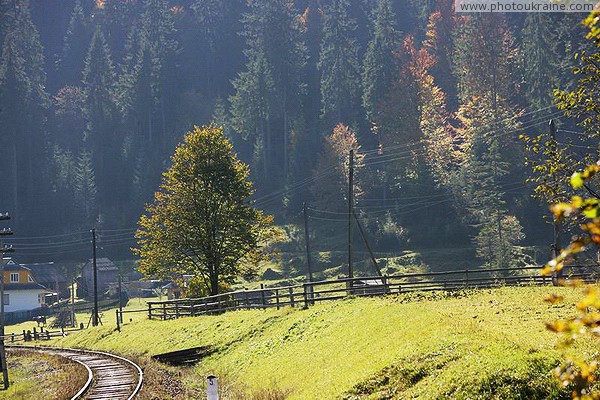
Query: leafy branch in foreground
578	373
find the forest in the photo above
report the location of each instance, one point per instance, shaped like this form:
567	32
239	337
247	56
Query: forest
95	96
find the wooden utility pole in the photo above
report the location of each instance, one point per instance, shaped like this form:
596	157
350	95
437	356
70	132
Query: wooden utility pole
120	300
366	242
350	210
307	241
555	247
95	266
3	250
73	303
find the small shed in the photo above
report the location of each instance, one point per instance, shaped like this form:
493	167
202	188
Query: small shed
107	273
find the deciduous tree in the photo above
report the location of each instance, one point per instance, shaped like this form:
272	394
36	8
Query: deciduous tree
201	221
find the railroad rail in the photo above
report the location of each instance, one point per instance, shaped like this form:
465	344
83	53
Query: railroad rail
110	377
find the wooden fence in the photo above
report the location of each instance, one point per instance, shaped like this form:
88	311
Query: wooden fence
41	334
307	294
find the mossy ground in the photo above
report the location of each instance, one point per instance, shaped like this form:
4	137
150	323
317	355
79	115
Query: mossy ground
477	344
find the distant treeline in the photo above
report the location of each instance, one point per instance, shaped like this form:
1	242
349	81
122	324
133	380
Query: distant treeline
94	96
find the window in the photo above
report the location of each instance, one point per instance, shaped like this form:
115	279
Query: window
14	277
6	299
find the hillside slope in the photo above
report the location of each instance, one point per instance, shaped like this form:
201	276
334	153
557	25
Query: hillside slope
480	344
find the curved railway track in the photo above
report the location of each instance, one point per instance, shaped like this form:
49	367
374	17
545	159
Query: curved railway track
109	376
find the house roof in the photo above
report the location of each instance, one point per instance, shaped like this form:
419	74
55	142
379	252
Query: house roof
24	286
46	272
103	264
15	267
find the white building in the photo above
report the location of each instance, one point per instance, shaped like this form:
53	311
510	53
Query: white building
21	292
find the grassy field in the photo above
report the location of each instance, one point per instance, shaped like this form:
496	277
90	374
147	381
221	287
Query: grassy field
41	376
480	344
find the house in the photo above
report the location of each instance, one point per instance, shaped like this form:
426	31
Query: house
177	290
21	292
50	276
107	273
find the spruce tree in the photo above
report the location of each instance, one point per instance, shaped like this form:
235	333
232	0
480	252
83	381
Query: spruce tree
23	101
378	63
85	189
101	113
338	64
272	82
75	44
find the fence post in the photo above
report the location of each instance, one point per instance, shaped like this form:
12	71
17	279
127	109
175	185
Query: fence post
246	298
47	334
262	295
192	308
12	337
164	316
149	311
35	334
305	294
291	297
205	305
118	324
277	298
177	310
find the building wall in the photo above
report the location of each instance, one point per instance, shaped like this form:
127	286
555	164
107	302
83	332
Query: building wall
23	276
23	299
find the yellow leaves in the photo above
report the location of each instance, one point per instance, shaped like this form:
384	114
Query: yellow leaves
562	210
554	299
592	299
578	179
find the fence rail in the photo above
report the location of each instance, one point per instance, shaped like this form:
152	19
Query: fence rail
310	293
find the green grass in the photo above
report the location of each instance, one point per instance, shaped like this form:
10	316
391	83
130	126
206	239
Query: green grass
481	344
34	376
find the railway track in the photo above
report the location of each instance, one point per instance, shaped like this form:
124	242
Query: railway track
109	376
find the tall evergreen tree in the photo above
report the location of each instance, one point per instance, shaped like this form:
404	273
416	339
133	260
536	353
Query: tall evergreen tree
75	44
85	189
101	114
272	83
23	101
378	63
338	64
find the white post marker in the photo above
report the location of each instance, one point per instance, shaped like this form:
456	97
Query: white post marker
212	389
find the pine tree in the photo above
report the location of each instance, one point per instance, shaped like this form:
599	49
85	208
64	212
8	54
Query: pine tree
339	65
541	60
75	43
85	189
378	64
439	43
23	101
147	87
101	113
272	83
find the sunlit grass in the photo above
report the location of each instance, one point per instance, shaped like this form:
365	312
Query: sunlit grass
480	344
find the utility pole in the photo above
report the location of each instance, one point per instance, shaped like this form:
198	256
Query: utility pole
120	301
366	242
95	311
350	211
555	247
73	303
3	250
307	241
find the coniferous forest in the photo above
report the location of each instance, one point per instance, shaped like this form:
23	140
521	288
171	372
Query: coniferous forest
95	96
